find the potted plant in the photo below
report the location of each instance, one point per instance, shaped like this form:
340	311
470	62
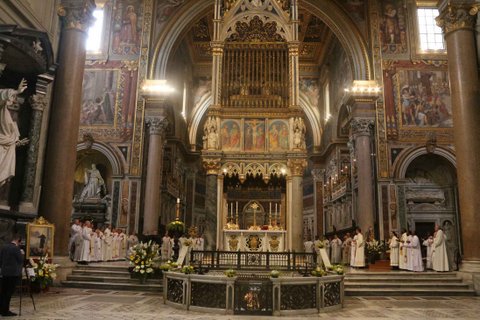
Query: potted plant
230	273
43	274
142	257
274	273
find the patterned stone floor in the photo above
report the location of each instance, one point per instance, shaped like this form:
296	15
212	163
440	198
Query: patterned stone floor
79	304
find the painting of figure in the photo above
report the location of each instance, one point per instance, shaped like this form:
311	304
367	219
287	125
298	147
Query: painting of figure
423	98
127	27
254	135
99	97
39	240
393	27
278	136
230	135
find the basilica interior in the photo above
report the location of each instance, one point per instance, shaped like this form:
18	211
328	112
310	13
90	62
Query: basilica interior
303	118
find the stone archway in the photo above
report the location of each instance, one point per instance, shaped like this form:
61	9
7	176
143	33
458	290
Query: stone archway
328	11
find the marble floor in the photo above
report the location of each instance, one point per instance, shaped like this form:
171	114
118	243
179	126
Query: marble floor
79	304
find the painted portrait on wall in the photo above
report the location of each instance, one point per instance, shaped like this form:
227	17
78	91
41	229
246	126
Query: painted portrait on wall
99	97
127	27
393	27
423	98
254	135
230	135
40	235
278	135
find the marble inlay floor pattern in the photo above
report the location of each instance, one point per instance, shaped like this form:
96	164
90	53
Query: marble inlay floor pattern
79	304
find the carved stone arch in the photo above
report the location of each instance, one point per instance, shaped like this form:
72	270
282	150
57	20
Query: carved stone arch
230	27
277	169
313	118
255	169
406	157
116	160
342	119
197	116
230	169
328	11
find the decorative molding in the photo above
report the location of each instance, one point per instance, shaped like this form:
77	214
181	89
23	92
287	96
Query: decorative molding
362	126
456	16
318	174
77	14
38	102
156	125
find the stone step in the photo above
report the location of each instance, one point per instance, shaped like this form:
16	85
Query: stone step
92	278
114	286
402	285
408	292
120	274
393	274
402	279
102	267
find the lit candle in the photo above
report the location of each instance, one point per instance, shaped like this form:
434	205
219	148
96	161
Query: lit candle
271	209
276	208
178	200
231	209
237	207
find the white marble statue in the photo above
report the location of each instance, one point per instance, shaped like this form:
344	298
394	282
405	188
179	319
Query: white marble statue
93	184
9	134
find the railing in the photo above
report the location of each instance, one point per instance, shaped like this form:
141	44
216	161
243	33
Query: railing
287	261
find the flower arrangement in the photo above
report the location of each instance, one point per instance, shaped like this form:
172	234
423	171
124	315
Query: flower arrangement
169	265
319	244
44	272
188	269
318	272
176	227
374	247
274	273
338	269
230	273
142	257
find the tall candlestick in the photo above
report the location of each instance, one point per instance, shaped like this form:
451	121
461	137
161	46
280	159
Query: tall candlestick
231	209
270	208
178	200
276	207
237	208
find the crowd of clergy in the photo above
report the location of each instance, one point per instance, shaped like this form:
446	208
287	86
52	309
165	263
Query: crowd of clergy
350	251
89	244
405	252
195	242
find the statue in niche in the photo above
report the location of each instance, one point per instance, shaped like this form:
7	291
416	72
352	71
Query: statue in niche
299	131
210	139
94	184
9	134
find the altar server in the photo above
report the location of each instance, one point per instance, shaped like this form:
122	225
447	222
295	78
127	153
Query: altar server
86	237
75	230
415	251
402	262
107	244
308	245
359	249
336	245
353	250
394	252
439	255
429	244
347	246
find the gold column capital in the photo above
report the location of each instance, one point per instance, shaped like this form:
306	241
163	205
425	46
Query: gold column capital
212	166
457	15
297	166
77	14
157	125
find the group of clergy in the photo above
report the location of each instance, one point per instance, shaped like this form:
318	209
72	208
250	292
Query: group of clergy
88	244
406	253
195	242
350	251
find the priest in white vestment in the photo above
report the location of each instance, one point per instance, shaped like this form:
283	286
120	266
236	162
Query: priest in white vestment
308	246
402	262
359	250
409	251
167	245
346	245
87	237
429	244
98	250
9	134
353	250
439	254
336	245
394	252
415	250
107	245
75	230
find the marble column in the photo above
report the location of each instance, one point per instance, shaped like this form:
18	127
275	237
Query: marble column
361	130
295	204
38	103
212	167
317	175
61	153
156	127
220	214
457	18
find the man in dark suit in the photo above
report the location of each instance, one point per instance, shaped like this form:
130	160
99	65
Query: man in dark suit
11	262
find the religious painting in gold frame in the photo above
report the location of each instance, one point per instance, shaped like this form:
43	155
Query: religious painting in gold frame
278	136
40	235
230	135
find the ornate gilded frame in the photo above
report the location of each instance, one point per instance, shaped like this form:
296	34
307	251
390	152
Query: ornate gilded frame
35	230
